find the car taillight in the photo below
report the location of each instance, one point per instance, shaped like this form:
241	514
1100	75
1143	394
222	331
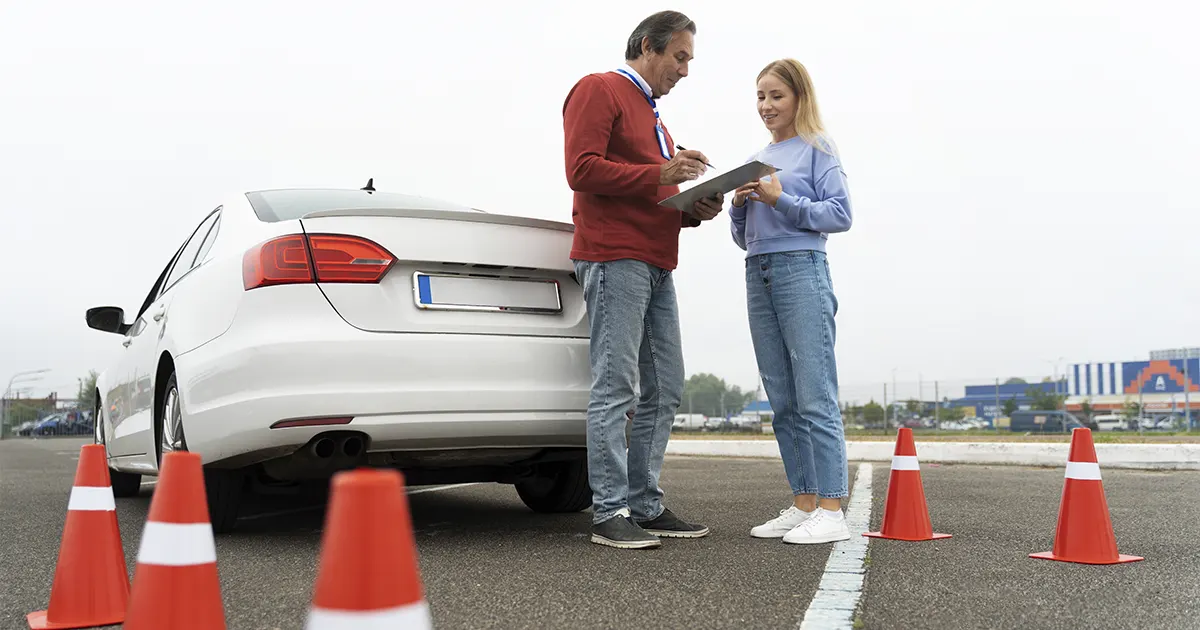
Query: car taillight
282	260
291	260
348	258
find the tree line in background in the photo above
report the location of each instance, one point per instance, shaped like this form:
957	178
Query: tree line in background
711	396
87	391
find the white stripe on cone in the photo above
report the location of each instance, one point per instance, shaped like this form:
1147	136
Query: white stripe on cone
409	616
177	544
92	499
1083	471
905	462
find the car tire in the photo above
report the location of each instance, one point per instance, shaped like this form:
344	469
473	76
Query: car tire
557	488
222	487
124	485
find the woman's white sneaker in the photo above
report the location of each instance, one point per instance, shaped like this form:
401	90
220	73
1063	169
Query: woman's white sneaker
786	521
824	526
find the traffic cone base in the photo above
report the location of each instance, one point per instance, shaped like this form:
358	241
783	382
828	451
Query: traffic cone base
905	513
91	584
37	621
1121	558
933	536
1084	534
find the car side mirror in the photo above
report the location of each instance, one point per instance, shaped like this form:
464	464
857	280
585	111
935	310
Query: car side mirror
109	319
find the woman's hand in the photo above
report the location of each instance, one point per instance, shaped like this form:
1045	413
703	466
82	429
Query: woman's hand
767	191
739	195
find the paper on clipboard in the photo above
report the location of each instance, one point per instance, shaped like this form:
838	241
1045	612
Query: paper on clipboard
723	183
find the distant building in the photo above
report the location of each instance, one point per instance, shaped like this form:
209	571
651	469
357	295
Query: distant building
1175	353
758	408
1164	386
987	401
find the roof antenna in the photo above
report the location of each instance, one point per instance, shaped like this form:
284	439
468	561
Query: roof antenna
370	187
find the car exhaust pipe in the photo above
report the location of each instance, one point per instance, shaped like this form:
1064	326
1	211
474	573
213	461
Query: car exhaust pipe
324	448
352	446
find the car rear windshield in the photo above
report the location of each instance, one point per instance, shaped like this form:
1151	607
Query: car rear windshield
288	205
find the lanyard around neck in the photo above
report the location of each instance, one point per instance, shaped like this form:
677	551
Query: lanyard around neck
658	130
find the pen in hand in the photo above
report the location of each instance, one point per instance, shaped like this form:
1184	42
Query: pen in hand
680	147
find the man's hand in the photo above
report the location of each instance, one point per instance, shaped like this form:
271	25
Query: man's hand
708	207
685	166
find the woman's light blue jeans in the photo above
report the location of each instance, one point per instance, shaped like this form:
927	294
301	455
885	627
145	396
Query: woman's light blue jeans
792	306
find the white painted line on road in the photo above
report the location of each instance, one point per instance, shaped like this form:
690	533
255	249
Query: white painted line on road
833	606
435	489
310	508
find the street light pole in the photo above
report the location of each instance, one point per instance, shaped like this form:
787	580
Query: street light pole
1187	389
895	396
996	413
937	406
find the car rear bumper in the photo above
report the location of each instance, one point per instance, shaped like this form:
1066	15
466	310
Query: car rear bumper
403	391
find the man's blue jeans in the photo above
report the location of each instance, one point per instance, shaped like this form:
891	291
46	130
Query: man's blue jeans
791	305
634	321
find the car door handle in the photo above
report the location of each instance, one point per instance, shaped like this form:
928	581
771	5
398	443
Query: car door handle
127	341
159	314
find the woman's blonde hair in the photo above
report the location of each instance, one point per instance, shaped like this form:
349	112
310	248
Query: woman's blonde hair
808	116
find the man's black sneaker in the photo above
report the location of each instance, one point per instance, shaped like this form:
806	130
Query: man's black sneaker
622	533
671	526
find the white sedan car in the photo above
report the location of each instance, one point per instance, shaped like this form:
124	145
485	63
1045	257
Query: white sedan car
296	333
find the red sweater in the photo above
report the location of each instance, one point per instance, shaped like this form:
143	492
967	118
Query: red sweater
612	160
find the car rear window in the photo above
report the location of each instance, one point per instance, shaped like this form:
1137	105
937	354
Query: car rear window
288	205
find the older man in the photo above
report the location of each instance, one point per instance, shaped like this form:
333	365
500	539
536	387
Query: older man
621	161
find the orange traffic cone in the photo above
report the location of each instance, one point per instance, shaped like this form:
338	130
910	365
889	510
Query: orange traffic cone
175	584
905	514
91	583
1085	532
368	576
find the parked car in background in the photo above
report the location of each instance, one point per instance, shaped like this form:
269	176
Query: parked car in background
295	333
1110	422
689	422
1044	422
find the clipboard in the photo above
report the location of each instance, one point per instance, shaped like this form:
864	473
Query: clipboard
723	183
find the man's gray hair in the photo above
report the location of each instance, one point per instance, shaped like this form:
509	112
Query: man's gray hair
660	28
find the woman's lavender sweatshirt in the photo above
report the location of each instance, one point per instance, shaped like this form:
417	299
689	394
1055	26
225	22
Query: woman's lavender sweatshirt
815	202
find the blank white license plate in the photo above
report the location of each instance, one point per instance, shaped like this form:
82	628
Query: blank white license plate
464	293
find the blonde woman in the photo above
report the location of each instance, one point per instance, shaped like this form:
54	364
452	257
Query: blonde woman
783	222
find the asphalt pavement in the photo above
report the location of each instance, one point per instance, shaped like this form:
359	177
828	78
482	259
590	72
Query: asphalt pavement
488	562
982	576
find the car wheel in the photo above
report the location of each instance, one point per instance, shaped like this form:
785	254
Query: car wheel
223	487
123	484
558	487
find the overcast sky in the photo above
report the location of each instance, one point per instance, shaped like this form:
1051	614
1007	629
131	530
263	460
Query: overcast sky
1023	173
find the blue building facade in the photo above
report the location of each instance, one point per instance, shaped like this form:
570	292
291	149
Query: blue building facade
1130	378
758	407
983	398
